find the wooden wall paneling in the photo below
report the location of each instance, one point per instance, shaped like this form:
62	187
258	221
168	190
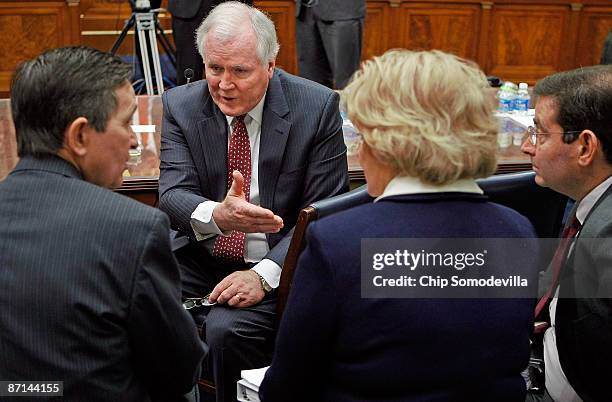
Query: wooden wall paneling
568	55
283	15
8	142
520	40
26	30
484	35
449	27
527	41
74	16
102	20
393	25
595	23
377	30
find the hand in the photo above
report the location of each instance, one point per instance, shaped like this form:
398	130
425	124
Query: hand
236	213
238	289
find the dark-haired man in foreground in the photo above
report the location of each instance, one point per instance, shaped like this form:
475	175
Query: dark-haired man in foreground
571	150
90	288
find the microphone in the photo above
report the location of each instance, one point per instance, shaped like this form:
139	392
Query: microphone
188	74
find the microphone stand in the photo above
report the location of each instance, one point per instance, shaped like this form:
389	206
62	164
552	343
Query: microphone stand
188	74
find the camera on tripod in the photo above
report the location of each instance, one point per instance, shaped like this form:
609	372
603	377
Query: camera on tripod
148	32
144	5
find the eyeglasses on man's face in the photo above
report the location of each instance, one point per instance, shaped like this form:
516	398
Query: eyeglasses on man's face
532	133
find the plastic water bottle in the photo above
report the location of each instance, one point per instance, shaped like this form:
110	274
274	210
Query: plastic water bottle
521	102
518	134
504	135
351	137
506	96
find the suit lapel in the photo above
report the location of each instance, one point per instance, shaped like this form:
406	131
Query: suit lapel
212	134
274	134
597	216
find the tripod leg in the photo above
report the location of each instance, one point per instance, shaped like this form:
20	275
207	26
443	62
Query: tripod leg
139	83
156	62
166	44
144	54
128	25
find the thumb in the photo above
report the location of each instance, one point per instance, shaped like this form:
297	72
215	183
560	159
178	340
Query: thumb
237	185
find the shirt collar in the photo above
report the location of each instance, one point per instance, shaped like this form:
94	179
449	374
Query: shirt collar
402	185
588	202
255	114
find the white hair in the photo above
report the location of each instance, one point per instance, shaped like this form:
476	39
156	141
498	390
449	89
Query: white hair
427	114
227	22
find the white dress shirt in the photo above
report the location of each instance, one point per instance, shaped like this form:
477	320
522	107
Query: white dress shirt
557	384
203	223
402	185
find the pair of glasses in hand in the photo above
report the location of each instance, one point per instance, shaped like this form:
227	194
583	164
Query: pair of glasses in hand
193	302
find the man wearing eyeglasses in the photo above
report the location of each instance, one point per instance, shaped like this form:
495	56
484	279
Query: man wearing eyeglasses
571	151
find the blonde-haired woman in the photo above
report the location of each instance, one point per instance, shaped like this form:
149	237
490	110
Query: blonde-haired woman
428	132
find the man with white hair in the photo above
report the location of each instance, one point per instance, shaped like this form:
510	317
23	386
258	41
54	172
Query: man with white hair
242	153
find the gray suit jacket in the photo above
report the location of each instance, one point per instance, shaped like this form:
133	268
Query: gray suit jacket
333	10
90	290
583	325
302	156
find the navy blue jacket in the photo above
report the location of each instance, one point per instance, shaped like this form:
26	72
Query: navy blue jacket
334	345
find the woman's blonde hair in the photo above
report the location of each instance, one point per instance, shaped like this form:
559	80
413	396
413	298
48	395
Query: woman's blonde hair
427	114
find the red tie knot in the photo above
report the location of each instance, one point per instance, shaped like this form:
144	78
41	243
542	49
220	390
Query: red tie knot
572	227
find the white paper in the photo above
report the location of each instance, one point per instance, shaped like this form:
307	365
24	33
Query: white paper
255	376
143	128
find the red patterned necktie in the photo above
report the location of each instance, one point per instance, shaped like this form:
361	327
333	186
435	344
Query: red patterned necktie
231	248
559	260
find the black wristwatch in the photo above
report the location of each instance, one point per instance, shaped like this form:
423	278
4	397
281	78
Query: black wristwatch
264	284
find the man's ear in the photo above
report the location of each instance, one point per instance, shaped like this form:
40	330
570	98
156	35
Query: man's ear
588	144
76	137
271	65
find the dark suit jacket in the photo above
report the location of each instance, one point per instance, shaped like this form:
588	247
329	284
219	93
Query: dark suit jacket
90	290
583	324
189	8
334	10
335	345
606	51
186	8
302	156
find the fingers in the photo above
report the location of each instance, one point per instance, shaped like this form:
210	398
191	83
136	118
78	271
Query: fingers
228	295
238	289
236	190
218	290
247	210
228	288
255	219
235	213
235	300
